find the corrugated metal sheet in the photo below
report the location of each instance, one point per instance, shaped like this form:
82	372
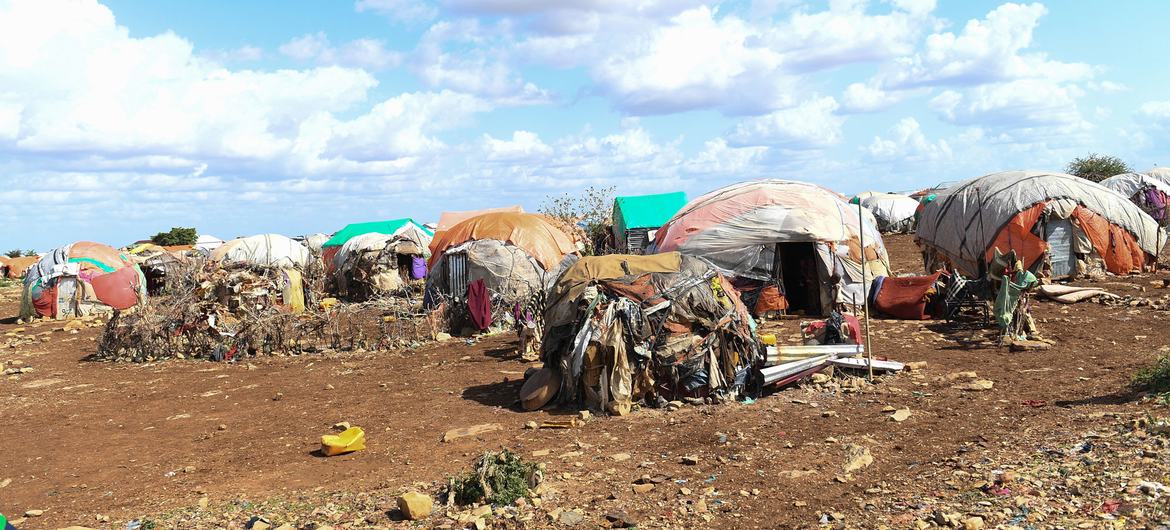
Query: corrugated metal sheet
457	274
1060	247
636	240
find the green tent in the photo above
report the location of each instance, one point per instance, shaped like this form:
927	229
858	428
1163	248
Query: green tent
634	216
390	227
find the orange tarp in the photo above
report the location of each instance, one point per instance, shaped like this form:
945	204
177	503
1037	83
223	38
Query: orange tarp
1018	236
1117	248
450	219
532	233
18	266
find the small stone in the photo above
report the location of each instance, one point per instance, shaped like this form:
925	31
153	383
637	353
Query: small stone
916	366
620	519
973	523
900	414
222	427
684	491
203	502
857	457
619	457
531	425
34	513
341	426
585	415
260	524
415	505
328	387
689	460
571	517
643	488
279	396
189	469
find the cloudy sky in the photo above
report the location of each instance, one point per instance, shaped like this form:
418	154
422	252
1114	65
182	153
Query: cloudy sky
123	118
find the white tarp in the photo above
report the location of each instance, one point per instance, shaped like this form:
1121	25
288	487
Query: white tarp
1160	173
894	213
264	250
964	220
1129	184
207	242
314	241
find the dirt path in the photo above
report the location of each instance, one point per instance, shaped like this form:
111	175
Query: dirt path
90	439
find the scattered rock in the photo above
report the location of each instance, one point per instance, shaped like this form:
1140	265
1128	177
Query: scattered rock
571	517
415	505
977	385
222	427
619	457
857	457
341	426
900	414
916	366
689	460
531	425
474	430
973	523
620	519
34	513
643	488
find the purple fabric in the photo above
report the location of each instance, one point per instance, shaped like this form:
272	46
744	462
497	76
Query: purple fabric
1156	202
418	268
479	304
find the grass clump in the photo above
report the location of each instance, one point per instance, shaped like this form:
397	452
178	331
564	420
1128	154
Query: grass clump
1155	377
498	478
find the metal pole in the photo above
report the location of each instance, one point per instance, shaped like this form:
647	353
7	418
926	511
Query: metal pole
864	289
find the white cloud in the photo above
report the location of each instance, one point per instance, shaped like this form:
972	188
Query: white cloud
524	145
370	54
483	70
1013	105
812	124
987	50
1158	111
907	143
243	54
864	97
400	10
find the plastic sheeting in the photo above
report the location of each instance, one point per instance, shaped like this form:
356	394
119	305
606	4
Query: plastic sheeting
59	284
965	219
264	250
505	270
532	233
738	227
450	219
893	212
1129	184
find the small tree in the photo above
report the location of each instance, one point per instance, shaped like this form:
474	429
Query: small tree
14	253
30	252
1097	167
592	209
176	236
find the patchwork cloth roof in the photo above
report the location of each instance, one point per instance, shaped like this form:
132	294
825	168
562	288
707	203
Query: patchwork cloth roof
965	219
264	250
734	227
391	227
532	233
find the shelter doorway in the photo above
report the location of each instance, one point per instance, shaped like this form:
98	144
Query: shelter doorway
796	271
1059	234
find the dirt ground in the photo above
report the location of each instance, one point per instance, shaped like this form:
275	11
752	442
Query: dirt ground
208	445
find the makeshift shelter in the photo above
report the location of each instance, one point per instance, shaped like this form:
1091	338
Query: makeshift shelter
79	279
404	229
264	250
374	264
627	328
794	246
207	243
490	262
1058	225
450	219
636	218
162	267
314	242
1161	173
894	213
1149	193
18	266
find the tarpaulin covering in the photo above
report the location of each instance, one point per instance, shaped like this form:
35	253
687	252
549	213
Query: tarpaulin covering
60	283
368	264
1017	235
18	266
406	227
264	250
1148	192
894	213
418	268
573	282
479	304
207	242
644	211
450	219
532	233
737	229
119	289
966	219
906	296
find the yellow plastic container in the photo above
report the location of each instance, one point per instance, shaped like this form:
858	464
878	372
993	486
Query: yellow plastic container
768	339
347	441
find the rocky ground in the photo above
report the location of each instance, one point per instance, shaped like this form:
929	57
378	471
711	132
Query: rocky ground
975	436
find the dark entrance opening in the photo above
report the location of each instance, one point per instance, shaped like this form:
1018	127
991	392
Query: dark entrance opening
800	277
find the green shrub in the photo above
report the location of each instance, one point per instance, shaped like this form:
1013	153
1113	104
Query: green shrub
498	478
1155	377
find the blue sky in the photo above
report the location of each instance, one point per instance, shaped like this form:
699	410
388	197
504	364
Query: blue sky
121	119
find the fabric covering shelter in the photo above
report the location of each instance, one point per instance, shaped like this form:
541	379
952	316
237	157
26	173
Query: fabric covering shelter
894	213
450	219
635	217
375	264
1149	193
625	328
207	242
803	238
79	279
314	242
515	255
1075	225
406	228
264	250
19	265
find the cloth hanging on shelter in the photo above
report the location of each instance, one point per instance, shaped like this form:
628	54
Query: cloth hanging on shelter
479	304
906	297
1009	295
418	267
